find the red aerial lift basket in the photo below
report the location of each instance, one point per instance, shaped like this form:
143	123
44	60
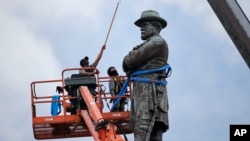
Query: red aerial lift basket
54	116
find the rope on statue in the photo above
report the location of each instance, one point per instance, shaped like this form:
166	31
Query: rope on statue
121	93
134	78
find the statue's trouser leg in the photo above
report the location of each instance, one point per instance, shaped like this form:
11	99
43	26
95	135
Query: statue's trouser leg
141	130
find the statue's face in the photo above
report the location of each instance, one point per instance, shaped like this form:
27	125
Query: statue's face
147	30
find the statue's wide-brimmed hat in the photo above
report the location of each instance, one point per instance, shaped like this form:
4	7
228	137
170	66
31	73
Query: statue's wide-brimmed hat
151	15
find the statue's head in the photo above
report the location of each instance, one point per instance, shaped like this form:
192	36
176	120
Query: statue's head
151	15
85	62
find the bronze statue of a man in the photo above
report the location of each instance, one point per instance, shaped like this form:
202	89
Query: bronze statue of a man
149	102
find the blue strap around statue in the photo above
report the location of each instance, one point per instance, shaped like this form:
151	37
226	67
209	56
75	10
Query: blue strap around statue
148	80
140	79
121	93
151	70
55	105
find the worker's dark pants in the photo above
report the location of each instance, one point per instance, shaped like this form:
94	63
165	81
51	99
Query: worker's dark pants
141	130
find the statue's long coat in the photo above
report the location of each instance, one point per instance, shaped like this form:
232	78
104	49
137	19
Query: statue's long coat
153	53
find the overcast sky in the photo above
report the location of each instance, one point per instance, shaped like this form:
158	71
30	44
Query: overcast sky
208	90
